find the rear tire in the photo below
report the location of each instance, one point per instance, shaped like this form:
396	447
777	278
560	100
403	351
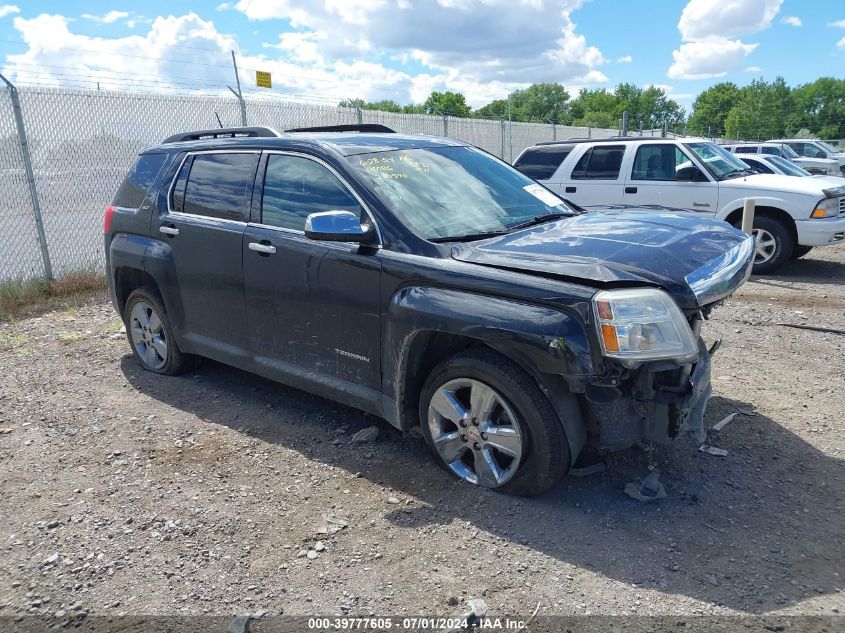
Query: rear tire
494	414
151	335
774	244
799	251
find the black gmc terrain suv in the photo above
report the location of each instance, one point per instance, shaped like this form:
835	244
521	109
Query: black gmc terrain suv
425	281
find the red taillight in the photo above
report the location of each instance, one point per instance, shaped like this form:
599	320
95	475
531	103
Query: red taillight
107	219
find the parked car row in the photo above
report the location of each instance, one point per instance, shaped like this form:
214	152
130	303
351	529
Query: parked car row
425	281
814	165
792	216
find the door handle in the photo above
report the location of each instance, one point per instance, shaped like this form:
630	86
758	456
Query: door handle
570	190
168	230
630	190
264	249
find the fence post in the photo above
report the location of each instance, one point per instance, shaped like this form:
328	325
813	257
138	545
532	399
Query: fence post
625	123
360	115
445	125
554	131
502	122
30	177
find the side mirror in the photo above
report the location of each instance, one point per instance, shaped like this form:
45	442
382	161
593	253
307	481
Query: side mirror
688	173
338	226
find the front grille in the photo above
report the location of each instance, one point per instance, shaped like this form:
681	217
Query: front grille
842	206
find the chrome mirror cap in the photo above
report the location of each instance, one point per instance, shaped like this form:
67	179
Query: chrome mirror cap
338	226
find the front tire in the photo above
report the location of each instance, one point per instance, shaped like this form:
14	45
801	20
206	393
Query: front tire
151	335
774	244
488	423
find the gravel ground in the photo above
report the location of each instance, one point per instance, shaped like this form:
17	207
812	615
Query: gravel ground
220	492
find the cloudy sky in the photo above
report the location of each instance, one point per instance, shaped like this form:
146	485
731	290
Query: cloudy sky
328	50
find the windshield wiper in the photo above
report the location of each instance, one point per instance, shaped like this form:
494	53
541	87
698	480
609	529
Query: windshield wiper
539	219
469	237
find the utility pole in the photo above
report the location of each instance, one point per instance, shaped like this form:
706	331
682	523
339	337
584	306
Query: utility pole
238	94
30	177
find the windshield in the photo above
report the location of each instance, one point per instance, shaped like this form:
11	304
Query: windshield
828	147
717	160
788	168
449	192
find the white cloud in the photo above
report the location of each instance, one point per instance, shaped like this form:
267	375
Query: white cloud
709	29
8	9
839	24
485	41
841	43
709	58
724	19
108	18
753	69
625	59
791	20
223	6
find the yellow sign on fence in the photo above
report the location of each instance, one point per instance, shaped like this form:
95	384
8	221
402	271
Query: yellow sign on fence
262	79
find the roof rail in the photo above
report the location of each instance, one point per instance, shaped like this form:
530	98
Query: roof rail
360	127
223	132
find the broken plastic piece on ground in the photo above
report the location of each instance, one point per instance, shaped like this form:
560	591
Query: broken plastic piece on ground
713	450
632	489
749	412
650	488
365	435
721	424
240	624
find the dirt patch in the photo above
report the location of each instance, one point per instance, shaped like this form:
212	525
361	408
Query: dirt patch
128	492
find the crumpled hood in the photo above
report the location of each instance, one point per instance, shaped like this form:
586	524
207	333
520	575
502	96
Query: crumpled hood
613	248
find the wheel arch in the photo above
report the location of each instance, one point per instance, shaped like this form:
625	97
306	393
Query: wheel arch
735	217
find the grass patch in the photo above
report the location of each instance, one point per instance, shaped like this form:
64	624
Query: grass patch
71	337
113	327
22	298
12	341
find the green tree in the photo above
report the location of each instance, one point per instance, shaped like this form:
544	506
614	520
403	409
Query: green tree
451	103
761	111
818	107
711	107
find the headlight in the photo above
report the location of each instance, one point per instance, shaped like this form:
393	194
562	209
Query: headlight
827	208
642	324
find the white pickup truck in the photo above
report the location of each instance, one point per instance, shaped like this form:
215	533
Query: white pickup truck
792	214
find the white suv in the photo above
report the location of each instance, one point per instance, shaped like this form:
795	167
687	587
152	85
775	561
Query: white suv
814	149
819	166
792	214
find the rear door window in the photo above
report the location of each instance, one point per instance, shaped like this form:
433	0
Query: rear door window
219	185
140	178
295	187
541	162
658	162
746	150
601	162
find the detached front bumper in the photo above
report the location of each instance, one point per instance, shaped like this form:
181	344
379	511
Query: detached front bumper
821	232
653	404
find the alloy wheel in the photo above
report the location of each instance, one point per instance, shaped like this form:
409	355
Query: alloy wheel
766	245
475	432
148	335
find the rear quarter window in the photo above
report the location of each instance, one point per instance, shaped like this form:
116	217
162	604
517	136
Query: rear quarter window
138	181
540	163
601	162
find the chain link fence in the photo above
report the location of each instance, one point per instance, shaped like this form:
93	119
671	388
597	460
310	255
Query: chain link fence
82	142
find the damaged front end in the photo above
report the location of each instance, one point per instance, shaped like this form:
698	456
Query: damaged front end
656	383
655	402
